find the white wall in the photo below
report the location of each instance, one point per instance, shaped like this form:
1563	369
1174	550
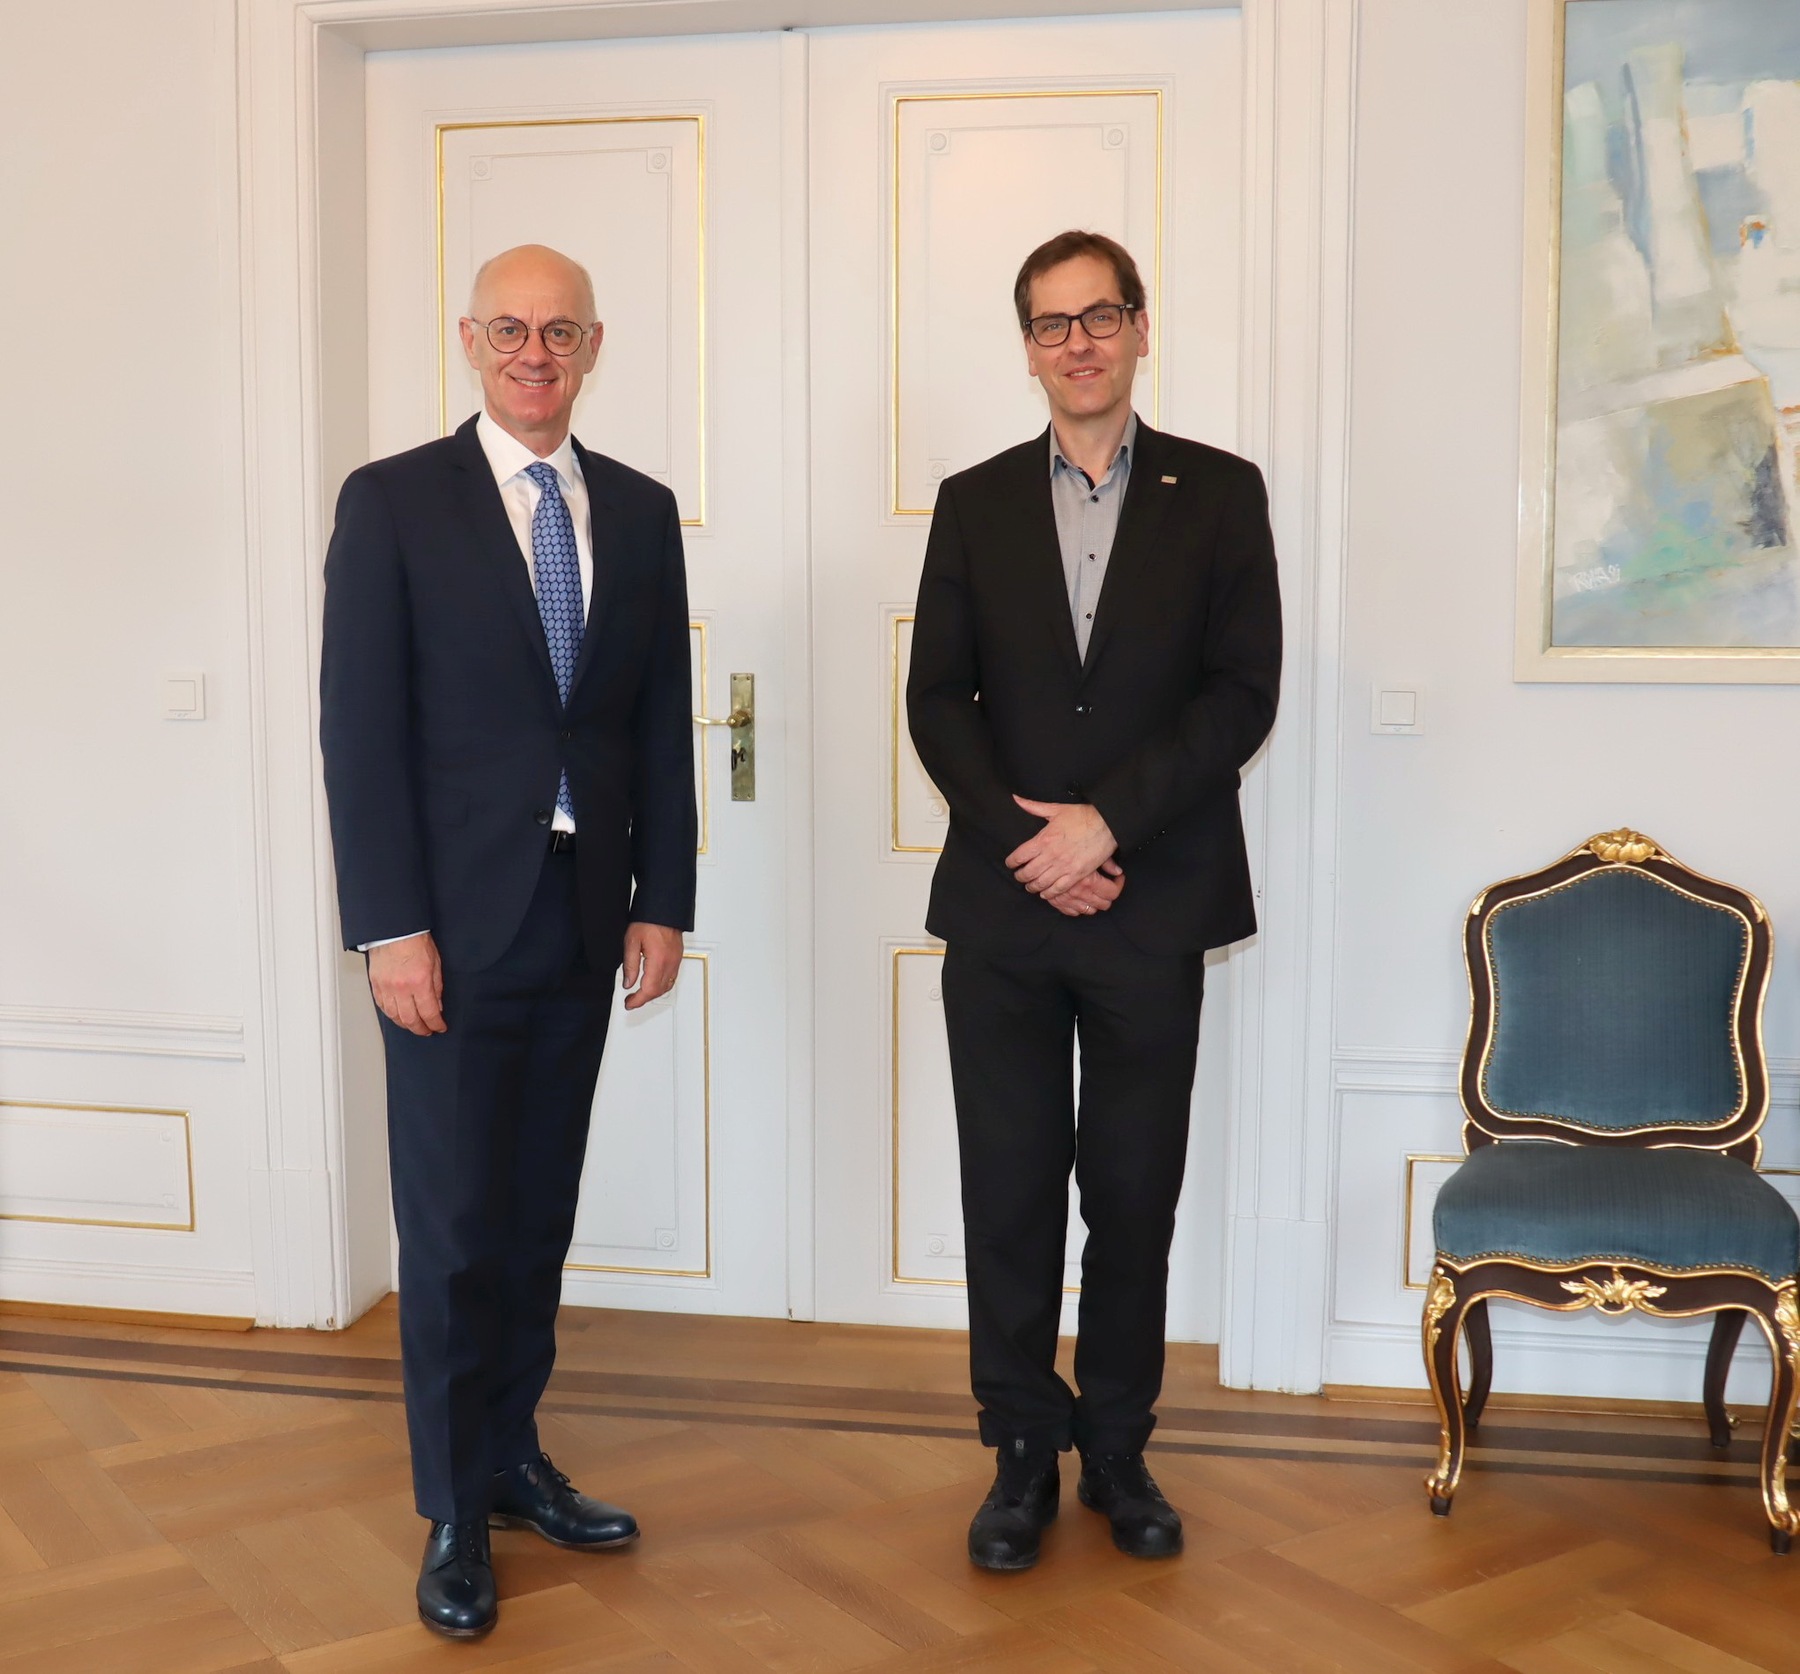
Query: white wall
126	936
1506	777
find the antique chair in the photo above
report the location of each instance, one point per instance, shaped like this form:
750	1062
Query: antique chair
1614	1083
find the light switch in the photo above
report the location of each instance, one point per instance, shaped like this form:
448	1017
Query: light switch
184	696
1397	709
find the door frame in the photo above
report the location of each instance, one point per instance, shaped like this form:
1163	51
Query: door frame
318	1181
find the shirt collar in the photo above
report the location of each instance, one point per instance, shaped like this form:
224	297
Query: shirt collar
507	456
1059	463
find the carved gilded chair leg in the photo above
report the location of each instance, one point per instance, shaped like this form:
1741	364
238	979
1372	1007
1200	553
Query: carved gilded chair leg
1443	1319
1784	1341
1728	1324
1481	1362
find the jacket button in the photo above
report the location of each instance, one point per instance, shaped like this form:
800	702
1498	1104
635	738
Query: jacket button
565	735
1081	709
542	816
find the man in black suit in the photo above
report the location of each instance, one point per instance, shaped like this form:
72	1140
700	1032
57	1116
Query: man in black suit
1096	654
509	762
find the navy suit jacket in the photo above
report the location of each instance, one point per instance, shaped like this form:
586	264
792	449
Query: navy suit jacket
1177	691
443	735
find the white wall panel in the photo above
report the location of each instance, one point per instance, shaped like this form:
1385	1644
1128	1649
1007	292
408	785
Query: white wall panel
128	947
646	1192
95	1165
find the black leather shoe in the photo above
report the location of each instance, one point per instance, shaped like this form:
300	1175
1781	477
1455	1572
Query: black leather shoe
1144	1524
456	1581
536	1495
1020	1506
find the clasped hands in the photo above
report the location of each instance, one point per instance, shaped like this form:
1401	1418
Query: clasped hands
1070	862
407	977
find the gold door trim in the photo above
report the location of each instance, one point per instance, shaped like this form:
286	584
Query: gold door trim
443	318
1156	261
187	1139
704	960
896	704
1413	1159
699	627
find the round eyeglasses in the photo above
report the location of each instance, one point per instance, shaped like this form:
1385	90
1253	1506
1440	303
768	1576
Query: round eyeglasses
1102	320
560	337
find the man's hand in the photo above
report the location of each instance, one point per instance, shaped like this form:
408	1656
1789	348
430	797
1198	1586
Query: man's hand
1070	848
652	963
407	979
1094	894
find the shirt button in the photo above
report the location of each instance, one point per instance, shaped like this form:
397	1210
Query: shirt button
565	736
1081	709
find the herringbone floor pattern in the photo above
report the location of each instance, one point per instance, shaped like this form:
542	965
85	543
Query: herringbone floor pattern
198	1503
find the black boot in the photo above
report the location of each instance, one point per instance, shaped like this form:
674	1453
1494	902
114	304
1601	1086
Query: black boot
456	1581
1019	1507
536	1495
1144	1524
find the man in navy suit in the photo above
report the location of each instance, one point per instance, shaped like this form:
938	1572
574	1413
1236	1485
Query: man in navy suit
509	763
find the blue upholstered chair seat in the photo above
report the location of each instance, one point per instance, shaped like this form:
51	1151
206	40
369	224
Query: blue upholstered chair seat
1563	1204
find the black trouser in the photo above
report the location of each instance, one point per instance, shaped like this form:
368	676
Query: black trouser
1013	1022
487	1131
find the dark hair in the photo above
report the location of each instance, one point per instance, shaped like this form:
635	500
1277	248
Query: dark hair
1065	247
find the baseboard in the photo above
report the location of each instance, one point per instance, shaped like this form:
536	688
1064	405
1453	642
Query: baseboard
1587	1406
176	1294
1631	1363
127	1316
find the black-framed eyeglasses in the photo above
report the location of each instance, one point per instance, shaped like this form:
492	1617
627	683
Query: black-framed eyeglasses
1102	320
560	337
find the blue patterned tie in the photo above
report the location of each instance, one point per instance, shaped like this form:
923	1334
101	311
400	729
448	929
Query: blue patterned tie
556	570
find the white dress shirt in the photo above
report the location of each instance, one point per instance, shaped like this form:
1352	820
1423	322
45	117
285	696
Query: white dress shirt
508	459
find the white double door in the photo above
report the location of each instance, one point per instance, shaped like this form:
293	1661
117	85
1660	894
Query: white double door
803	246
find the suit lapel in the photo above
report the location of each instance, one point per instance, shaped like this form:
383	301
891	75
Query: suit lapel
603	542
494	535
1147	498
1040	549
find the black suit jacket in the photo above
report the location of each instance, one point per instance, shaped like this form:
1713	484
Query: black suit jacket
1177	691
443	734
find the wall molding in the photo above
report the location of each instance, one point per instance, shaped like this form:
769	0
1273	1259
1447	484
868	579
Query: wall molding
1294	401
1430	1069
146	1034
135	1285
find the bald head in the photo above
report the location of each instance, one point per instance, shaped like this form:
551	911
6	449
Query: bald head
529	382
530	269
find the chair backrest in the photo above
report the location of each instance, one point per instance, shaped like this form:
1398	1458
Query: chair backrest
1616	998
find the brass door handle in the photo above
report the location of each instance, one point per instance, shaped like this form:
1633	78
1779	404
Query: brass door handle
741	718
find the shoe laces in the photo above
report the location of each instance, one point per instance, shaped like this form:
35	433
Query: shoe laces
1129	1472
466	1545
549	1470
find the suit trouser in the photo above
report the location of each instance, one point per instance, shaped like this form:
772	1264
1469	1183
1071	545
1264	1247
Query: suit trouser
1013	1022
487	1132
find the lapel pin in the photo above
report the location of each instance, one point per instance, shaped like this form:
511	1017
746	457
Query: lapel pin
1168	479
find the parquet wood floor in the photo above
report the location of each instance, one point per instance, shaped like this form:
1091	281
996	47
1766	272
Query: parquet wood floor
185	1502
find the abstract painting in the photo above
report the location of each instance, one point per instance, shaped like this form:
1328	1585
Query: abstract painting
1673	522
